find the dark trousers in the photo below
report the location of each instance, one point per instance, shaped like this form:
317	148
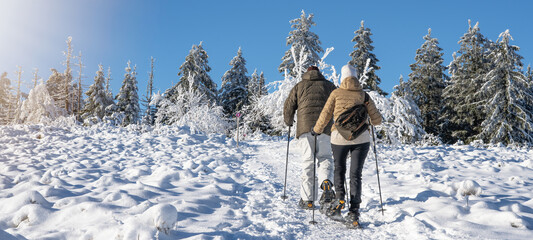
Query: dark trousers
340	154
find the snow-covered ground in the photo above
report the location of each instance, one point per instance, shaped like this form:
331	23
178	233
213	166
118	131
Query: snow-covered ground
115	183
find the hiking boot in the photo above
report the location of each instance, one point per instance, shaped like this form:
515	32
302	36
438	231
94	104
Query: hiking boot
335	208
306	205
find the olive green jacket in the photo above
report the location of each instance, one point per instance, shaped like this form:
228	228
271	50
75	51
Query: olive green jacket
308	97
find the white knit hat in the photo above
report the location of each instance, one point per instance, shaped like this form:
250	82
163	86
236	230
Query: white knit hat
348	71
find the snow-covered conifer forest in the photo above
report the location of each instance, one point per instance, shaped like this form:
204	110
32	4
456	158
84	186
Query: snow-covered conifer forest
202	161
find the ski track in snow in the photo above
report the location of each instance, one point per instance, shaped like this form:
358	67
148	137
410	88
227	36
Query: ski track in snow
115	183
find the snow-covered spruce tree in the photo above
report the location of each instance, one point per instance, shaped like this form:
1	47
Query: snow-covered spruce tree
150	110
111	114
55	86
7	100
303	42
5	90
463	113
127	98
97	100
254	120
188	107
194	75
406	119
362	52
233	94
256	86
506	97
39	107
196	66
261	86
60	85
253	82
427	80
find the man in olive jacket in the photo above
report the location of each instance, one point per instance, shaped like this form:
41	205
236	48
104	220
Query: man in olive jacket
308	98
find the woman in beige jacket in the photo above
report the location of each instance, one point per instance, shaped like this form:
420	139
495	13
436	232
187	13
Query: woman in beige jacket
349	94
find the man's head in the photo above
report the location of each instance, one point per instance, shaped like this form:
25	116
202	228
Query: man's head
312	68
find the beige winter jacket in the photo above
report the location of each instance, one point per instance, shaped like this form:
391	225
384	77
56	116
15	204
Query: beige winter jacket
346	96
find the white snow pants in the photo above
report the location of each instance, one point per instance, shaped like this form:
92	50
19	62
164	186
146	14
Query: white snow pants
324	167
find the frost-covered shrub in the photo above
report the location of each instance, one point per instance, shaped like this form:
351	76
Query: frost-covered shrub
156	220
115	118
517	145
401	120
459	143
465	189
62	122
204	118
385	132
469	188
272	104
429	140
254	120
478	143
39	107
191	108
91	121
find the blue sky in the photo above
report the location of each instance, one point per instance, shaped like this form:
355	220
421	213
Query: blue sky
33	33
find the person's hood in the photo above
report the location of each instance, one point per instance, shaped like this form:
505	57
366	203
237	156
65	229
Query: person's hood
351	83
313	75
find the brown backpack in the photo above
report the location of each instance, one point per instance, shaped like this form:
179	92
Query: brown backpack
352	122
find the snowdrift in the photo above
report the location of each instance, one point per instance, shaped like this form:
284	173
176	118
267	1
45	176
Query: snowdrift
168	183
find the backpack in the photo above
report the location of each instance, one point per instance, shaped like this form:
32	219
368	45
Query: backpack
352	122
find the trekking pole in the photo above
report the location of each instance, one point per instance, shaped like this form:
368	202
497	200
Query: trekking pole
286	164
377	171
314	184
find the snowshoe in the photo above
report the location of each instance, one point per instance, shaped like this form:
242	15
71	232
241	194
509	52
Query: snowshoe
352	220
353	225
334	211
306	205
327	196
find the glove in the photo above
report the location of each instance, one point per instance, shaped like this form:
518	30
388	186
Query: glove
289	124
313	133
